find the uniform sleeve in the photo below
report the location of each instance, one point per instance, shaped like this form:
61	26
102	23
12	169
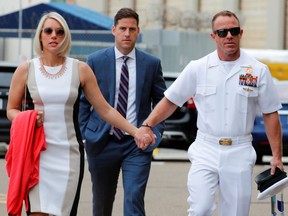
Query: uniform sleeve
268	99
184	87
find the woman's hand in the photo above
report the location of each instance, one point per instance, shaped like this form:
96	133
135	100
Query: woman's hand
144	137
39	118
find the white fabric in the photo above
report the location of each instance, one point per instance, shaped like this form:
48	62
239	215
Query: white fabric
224	107
228	65
60	163
229	167
273	190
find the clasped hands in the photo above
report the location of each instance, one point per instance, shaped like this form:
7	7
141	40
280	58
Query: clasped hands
144	137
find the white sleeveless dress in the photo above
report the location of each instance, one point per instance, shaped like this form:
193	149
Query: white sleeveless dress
62	164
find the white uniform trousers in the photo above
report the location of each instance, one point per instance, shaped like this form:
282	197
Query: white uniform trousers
227	168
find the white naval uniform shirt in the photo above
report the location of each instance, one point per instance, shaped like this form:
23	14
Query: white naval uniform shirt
226	104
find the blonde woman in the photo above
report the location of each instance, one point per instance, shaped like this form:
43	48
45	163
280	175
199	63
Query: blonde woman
54	82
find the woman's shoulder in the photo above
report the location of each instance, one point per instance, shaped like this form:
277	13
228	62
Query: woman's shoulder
83	69
82	64
23	67
21	71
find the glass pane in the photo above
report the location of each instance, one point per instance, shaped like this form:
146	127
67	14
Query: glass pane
5	79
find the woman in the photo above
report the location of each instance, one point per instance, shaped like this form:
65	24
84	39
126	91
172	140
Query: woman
54	82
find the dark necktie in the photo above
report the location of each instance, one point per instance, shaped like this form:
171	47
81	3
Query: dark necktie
122	96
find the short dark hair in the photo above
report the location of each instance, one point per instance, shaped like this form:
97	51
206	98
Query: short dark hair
126	13
223	13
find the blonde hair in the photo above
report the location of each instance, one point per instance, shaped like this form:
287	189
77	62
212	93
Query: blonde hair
65	45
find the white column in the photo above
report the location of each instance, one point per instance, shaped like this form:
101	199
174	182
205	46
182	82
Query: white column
275	24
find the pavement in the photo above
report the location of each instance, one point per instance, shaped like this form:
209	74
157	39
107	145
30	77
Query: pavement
166	192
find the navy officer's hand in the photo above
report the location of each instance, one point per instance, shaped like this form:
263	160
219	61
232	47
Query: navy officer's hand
144	137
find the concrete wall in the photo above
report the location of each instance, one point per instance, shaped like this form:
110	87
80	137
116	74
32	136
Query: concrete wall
177	48
264	22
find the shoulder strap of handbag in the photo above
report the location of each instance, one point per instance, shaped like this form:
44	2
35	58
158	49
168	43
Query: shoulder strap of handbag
24	101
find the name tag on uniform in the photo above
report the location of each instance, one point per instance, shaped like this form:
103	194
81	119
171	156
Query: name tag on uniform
247	89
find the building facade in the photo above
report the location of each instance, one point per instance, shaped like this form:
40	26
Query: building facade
264	21
175	31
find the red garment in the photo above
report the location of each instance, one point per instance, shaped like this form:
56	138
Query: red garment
22	159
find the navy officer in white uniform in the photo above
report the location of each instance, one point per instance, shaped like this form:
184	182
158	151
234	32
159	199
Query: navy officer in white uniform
227	86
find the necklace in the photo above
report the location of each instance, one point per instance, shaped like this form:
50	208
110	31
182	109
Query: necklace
53	76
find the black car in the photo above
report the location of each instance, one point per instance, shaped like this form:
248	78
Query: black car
6	72
180	128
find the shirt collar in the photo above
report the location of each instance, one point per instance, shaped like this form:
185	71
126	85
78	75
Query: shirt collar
118	54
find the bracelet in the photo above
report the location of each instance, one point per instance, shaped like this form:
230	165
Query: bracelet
146	125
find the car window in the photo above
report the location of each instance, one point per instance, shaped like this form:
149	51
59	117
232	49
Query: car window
5	79
169	81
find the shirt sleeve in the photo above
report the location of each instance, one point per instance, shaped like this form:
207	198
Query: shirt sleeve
184	87
268	99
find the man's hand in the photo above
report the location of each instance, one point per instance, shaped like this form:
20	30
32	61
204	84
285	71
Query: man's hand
276	162
144	137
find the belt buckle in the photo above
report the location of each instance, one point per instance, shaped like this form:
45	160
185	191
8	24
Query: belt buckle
225	141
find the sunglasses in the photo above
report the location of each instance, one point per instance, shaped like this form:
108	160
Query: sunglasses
223	32
59	31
